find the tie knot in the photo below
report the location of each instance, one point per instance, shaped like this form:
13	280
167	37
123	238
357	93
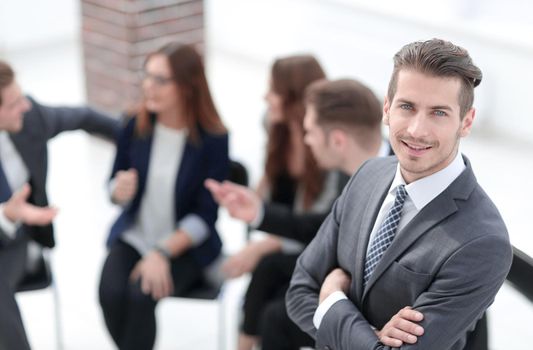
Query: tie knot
401	194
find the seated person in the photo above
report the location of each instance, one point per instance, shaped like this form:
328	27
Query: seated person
292	178
343	129
25	217
165	235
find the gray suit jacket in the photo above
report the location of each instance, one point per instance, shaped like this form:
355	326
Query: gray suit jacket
448	263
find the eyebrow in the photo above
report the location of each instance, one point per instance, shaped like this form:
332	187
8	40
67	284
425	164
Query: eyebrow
444	107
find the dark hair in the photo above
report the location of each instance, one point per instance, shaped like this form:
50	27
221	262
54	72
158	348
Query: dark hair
442	59
7	75
188	73
290	76
344	103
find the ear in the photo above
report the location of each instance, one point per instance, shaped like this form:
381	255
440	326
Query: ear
386	110
466	123
337	138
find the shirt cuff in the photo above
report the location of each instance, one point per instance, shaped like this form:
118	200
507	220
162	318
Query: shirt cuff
195	227
291	246
325	306
258	220
8	227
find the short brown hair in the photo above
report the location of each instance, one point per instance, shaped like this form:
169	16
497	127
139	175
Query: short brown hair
344	103
7	75
442	59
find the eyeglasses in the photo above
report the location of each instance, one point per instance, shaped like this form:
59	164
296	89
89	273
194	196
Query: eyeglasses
155	78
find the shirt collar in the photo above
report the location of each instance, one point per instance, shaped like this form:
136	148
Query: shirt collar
424	190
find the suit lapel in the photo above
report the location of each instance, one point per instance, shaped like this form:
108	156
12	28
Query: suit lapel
369	217
5	190
437	210
186	170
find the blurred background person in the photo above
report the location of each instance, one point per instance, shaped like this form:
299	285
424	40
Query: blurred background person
25	217
165	235
343	129
291	177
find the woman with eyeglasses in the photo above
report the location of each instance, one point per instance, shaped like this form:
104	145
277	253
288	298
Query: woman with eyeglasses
165	235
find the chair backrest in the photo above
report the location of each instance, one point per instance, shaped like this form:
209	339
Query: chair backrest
211	287
238	173
40	277
521	272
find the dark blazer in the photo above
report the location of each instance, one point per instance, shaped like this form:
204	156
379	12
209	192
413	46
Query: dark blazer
40	124
448	263
281	220
207	159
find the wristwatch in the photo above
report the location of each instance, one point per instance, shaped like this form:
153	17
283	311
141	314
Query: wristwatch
163	250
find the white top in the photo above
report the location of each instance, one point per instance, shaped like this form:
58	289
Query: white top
16	175
156	219
420	193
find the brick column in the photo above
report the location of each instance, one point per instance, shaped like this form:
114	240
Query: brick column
117	35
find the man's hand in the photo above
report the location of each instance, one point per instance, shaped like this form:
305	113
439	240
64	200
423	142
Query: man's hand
241	202
402	328
18	209
126	182
336	280
154	272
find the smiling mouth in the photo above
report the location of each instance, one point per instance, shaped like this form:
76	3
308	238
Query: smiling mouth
416	148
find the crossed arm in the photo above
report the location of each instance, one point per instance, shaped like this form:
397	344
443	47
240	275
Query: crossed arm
451	304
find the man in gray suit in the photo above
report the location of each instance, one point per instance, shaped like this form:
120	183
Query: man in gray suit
25	217
413	251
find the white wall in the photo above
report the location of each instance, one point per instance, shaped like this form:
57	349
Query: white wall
358	38
36	23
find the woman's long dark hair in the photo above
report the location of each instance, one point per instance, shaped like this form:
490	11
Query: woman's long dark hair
290	76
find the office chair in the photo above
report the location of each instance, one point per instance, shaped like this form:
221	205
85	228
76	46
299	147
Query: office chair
41	278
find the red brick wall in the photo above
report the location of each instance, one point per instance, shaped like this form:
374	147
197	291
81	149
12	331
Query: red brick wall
117	35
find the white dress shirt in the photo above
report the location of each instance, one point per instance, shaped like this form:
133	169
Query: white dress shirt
16	175
420	193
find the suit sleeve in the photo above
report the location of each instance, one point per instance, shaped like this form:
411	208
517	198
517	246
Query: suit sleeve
280	220
122	156
452	303
312	267
59	119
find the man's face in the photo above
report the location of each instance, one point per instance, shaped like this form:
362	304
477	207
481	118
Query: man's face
14	105
424	123
317	140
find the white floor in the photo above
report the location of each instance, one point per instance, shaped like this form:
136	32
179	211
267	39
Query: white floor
79	166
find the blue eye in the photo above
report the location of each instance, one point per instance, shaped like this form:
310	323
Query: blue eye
406	106
439	113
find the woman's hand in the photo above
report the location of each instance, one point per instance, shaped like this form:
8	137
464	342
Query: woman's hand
154	272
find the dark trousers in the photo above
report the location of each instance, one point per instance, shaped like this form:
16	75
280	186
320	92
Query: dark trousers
12	270
129	313
265	314
269	282
278	332
478	339
12	334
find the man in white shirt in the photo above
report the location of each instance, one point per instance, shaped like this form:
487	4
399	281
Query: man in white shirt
413	251
25	217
